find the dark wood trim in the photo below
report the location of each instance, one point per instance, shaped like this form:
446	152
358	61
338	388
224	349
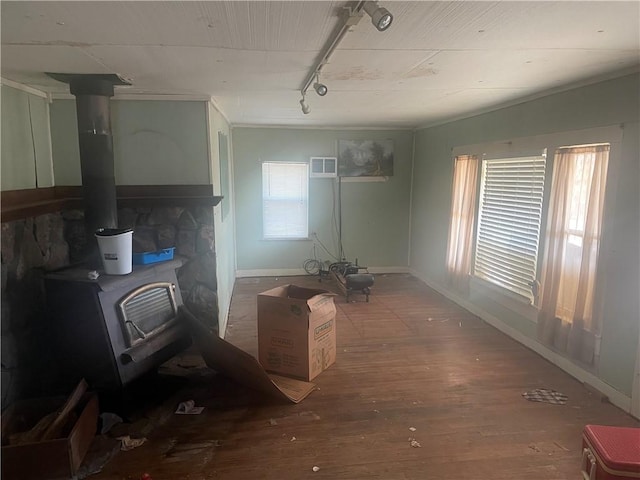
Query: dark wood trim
132	202
19	204
68	191
168	191
32	195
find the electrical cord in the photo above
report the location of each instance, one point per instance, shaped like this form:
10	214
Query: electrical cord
325	248
337	219
312	266
334	217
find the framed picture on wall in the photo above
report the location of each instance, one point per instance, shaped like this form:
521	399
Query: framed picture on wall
223	151
365	158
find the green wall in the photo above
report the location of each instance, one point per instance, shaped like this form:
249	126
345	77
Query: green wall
607	103
221	177
158	143
177	143
26	144
154	142
375	215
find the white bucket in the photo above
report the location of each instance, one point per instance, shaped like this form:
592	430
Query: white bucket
115	249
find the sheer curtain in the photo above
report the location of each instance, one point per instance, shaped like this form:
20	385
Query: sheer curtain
566	318
463	206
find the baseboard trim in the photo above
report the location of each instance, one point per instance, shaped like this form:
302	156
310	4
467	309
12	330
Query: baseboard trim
617	398
291	272
222	325
271	272
384	270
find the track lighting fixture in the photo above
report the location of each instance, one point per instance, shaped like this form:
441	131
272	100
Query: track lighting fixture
304	105
320	88
380	16
381	19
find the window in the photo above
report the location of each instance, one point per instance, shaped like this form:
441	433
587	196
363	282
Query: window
578	190
285	198
538	232
509	216
566	319
463	214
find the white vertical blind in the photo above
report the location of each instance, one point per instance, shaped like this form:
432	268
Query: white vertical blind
285	199
510	213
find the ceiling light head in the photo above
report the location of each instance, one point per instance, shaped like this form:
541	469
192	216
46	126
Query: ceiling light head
320	88
380	16
304	105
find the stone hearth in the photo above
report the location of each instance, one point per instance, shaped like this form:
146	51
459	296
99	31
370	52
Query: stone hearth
34	246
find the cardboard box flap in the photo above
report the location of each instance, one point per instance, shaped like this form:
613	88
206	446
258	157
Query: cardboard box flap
232	362
314	298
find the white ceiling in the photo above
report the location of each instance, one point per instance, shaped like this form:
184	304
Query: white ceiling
438	60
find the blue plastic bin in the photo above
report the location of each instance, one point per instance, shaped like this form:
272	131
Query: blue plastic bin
146	258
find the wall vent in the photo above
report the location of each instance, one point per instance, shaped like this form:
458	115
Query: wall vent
323	167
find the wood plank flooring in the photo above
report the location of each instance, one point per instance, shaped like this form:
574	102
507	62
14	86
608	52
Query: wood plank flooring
410	365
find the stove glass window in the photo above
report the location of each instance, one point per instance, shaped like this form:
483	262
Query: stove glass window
147	311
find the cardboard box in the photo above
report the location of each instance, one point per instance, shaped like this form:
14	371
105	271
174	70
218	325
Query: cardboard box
56	458
296	331
230	361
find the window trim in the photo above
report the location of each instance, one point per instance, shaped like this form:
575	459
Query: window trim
481	289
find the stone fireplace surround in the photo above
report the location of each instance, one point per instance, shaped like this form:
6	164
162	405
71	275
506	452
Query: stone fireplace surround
33	246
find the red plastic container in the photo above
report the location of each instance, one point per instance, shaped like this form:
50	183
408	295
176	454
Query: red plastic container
610	453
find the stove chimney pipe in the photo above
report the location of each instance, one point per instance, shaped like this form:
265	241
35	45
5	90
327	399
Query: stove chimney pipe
96	151
93	93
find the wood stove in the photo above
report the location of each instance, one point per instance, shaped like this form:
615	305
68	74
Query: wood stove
113	329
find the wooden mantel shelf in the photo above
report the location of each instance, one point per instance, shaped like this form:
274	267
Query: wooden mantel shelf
19	204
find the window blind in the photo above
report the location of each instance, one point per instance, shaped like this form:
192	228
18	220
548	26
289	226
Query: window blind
285	198
510	212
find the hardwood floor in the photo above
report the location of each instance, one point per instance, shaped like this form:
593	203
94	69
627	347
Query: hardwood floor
410	365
